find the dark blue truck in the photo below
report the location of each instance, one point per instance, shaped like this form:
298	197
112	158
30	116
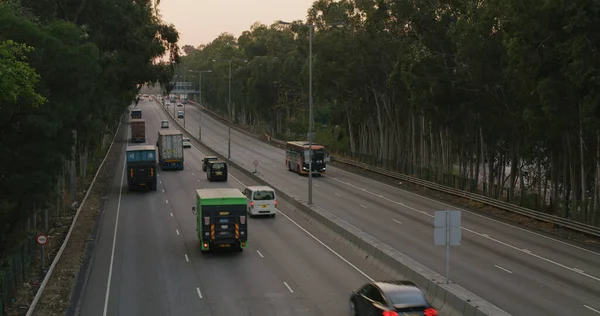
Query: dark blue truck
141	167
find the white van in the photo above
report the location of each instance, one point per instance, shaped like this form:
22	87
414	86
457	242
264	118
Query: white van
261	200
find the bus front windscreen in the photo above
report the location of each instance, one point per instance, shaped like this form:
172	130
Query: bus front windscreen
318	156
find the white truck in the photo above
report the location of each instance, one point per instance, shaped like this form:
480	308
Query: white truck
170	149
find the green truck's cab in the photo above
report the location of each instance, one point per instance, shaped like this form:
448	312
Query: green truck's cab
221	219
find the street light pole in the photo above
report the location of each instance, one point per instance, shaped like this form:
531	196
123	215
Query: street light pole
229	110
200	100
311	28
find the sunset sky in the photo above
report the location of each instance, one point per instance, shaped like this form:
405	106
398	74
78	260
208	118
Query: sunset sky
201	21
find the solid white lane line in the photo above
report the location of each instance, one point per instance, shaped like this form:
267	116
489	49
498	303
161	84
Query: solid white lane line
114	244
526	250
592	309
397	221
199	293
317	240
288	287
171	214
578	270
503	269
260	254
177	231
187	259
362	206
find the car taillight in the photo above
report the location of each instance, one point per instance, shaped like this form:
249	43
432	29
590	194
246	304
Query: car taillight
242	220
275	203
389	313
251	204
430	312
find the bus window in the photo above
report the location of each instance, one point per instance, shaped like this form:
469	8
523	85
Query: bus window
307	155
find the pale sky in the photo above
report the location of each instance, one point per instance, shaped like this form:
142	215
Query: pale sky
201	21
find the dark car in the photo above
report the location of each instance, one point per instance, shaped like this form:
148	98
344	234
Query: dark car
206	160
216	170
390	298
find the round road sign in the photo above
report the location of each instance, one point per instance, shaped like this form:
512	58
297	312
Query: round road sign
255	163
42	239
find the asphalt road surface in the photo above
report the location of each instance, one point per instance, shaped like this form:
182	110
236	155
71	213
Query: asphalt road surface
157	268
522	272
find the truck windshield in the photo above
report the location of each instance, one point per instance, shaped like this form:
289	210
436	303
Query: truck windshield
141	155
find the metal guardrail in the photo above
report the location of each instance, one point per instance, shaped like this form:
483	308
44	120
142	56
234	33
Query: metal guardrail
553	219
559	221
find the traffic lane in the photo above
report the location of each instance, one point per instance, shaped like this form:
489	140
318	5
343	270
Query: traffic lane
505	235
233	282
150	276
574	259
92	300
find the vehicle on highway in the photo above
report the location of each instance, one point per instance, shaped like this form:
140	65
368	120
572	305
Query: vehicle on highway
138	130
216	170
179	104
206	160
261	200
187	143
141	167
164	124
221	219
179	114
390	298
170	149
297	155
136	114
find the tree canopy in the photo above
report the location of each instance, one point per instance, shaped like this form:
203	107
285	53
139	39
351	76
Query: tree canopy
68	71
454	92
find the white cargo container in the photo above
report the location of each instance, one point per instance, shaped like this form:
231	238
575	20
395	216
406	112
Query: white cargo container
170	149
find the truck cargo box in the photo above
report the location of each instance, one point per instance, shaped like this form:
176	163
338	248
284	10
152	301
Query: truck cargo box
138	130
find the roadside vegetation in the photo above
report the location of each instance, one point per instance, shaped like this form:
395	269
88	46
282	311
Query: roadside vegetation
495	97
68	72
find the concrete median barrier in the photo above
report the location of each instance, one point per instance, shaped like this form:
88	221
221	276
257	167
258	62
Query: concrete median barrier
451	300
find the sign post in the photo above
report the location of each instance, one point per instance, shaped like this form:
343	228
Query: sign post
447	232
42	240
255	163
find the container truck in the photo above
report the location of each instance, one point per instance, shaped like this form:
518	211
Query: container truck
136	114
138	131
170	149
221	219
141	167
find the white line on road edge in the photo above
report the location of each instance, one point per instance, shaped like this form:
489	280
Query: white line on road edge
177	231
260	254
40	290
114	244
503	269
186	258
336	193
592	309
317	239
199	293
289	288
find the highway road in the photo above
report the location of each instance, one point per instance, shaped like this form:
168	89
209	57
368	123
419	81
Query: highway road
522	272
147	261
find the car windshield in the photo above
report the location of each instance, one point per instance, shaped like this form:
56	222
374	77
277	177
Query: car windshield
404	297
264	195
218	166
186	139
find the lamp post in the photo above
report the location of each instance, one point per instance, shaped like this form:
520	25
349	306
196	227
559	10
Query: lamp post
228	107
200	99
311	29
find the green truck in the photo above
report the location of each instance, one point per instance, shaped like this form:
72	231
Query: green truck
221	219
